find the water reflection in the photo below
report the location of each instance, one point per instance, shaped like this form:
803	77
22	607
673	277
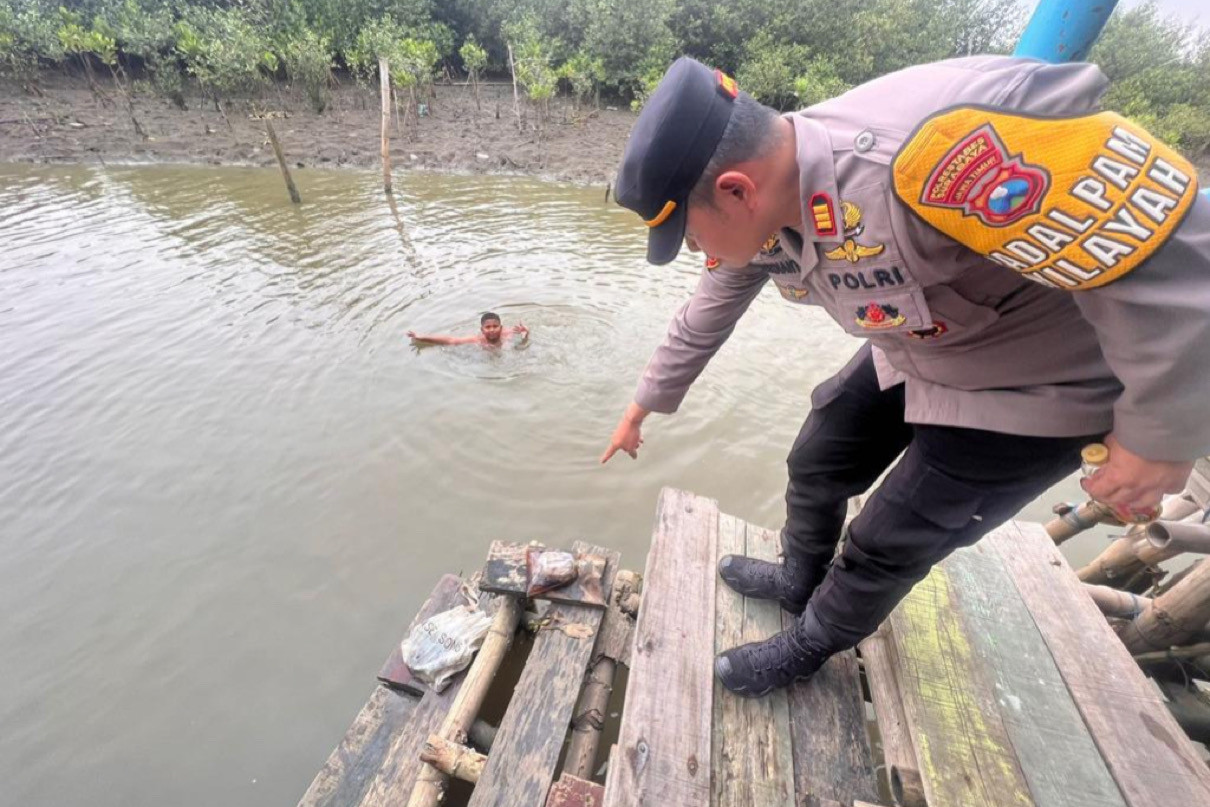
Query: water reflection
227	480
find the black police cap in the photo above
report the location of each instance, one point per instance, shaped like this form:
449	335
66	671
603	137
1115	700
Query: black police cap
670	146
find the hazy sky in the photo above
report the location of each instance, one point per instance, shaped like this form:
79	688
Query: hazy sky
1189	10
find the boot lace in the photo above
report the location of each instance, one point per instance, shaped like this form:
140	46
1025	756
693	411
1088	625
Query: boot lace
778	653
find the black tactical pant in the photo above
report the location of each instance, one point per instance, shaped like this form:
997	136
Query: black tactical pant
951	487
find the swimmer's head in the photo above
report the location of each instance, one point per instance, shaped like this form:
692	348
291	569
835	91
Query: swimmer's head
490	327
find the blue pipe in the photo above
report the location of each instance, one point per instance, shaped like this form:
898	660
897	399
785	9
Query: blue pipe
1064	30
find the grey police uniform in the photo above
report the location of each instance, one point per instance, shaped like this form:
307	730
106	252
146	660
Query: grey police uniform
1094	317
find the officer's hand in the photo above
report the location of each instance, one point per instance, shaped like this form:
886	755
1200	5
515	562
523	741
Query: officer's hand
1128	480
628	435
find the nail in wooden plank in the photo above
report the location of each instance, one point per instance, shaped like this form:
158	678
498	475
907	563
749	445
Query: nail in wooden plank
1148	755
752	763
522	764
664	745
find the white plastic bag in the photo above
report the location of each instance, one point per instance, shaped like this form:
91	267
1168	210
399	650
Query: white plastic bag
443	645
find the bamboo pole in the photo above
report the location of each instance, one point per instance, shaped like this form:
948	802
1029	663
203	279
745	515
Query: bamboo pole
590	719
877	655
1174	653
1182	537
281	162
1072	521
512	68
384	81
907	788
1174	616
453	759
430	784
1115	603
1133	553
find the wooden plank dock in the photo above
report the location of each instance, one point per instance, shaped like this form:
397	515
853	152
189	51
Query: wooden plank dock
996	683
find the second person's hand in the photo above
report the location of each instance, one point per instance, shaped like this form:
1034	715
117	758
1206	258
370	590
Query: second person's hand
628	436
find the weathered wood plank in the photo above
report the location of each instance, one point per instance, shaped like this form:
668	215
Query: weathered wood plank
506	570
878	656
616	637
394	672
751	763
1150	758
522	764
965	753
352	766
572	791
1061	763
664	745
832	758
393	783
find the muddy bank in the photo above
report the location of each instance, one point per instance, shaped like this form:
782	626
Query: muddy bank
70	124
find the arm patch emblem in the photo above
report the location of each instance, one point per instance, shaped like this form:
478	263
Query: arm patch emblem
1072	203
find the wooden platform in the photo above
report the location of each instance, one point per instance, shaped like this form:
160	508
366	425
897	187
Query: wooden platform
996	680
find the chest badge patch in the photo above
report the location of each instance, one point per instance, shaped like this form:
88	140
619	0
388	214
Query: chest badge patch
850	250
791	293
1070	203
712	263
877	317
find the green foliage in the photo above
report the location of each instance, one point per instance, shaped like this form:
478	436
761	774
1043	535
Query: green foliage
308	60
28	35
1160	73
584	73
532	60
474	57
223	50
788	53
80	41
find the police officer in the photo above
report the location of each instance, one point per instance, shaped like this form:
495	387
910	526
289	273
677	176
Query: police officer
1030	275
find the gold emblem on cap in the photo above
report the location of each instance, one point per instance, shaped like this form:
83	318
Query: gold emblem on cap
662	216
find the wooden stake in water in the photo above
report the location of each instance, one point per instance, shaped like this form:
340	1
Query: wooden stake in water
384	77
281	161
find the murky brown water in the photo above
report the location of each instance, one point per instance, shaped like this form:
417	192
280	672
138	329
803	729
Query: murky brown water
227	481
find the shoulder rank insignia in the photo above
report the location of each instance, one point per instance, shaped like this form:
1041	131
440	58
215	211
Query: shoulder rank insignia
877	317
772	246
823	214
791	293
1072	203
850	250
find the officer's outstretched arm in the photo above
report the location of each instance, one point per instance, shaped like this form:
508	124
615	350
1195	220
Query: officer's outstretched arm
695	334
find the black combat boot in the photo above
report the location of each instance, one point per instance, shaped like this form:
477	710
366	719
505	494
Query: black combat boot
789	582
754	670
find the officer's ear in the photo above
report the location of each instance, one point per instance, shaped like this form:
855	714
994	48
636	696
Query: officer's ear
736	186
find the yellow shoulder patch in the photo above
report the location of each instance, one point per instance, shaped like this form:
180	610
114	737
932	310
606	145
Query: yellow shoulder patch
1072	203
